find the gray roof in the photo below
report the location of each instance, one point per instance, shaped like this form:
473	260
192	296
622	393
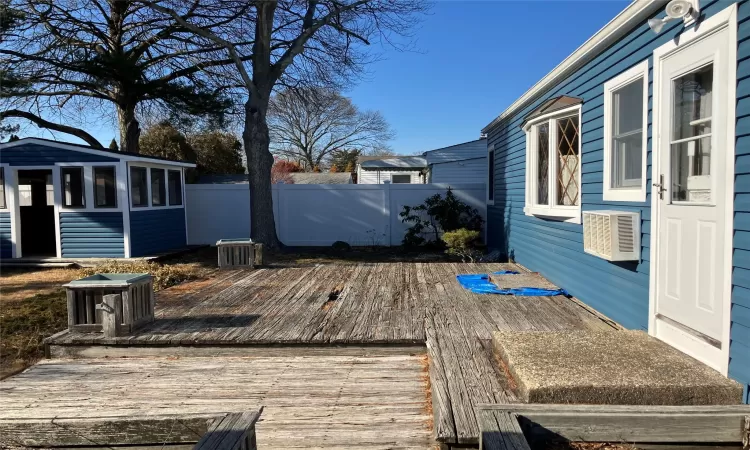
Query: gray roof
321	178
297	178
459	152
396	163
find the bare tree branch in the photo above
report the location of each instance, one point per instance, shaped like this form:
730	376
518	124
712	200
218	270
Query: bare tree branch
89	139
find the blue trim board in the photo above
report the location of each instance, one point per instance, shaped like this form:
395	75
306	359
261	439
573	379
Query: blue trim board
156	231
92	235
555	249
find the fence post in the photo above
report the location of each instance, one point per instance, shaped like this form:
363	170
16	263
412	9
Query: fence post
111	307
387	210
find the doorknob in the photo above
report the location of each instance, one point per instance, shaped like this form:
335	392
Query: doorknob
660	186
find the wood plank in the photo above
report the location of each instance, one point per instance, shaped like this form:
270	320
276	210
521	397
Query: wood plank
500	430
232	432
622	423
103	431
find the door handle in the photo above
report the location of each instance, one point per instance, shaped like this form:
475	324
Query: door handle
660	187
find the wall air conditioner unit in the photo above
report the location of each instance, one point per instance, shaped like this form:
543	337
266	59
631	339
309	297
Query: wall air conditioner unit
612	235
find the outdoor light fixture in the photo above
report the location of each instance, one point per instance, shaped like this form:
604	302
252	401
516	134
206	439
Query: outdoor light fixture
676	9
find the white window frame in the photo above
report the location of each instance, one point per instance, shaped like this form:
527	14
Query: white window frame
149	206
634	193
88	186
571	214
490	168
5	208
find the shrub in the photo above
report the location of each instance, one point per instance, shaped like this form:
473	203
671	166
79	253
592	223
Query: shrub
164	275
341	246
463	243
436	216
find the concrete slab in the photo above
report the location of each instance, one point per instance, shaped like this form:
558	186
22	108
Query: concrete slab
617	368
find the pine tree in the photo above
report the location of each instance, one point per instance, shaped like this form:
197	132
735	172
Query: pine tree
113	145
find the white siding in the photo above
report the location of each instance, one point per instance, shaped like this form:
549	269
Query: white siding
372	177
466	171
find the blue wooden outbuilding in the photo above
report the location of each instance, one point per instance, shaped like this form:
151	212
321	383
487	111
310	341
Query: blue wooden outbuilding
650	116
74	201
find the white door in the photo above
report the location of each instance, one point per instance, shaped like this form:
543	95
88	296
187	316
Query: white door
690	194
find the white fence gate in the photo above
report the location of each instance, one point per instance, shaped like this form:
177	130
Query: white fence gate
316	214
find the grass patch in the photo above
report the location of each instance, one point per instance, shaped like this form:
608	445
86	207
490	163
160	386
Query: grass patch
165	275
23	326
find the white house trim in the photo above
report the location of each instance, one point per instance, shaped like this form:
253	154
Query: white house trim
92	151
571	214
637	194
148	167
15	208
88	177
622	24
726	18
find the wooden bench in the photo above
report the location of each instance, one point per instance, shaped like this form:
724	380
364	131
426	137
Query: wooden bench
227	431
521	426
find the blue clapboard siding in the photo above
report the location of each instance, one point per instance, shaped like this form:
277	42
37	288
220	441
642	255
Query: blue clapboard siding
46	155
92	235
6	243
619	290
156	231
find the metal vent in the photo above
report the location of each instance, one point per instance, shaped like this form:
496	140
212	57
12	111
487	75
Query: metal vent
612	235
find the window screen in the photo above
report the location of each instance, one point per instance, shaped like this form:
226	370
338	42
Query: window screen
404	179
73	192
175	187
138	187
105	187
158	188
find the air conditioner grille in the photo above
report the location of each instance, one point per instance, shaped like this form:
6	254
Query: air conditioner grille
612	235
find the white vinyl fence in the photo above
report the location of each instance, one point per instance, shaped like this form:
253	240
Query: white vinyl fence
316	214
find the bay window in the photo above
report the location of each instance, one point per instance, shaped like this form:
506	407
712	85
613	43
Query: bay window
553	160
625	125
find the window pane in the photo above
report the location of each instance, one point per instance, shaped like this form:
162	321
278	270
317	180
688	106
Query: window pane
73	193
542	167
175	188
138	187
691	170
491	176
567	161
627	136
105	190
692	103
402	179
2	188
158	188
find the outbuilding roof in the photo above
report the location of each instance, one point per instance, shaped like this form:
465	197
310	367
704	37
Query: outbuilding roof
395	163
93	150
297	178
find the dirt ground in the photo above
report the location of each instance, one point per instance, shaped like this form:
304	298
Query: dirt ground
33	305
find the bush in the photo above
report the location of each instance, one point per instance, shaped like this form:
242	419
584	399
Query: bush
341	246
164	275
436	216
463	243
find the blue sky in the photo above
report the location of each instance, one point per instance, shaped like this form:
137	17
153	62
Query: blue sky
476	58
473	59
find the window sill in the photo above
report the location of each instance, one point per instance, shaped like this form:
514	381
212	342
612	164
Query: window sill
624	195
563	214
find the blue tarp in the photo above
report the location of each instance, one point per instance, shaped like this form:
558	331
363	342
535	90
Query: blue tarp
480	284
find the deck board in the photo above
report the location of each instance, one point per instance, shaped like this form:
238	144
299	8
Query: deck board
377	304
309	401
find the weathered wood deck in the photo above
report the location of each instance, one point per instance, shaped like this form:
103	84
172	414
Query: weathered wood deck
355	305
309	401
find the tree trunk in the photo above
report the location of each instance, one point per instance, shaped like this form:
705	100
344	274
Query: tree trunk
256	139
130	129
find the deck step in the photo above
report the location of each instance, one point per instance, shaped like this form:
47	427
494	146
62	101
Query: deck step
608	367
